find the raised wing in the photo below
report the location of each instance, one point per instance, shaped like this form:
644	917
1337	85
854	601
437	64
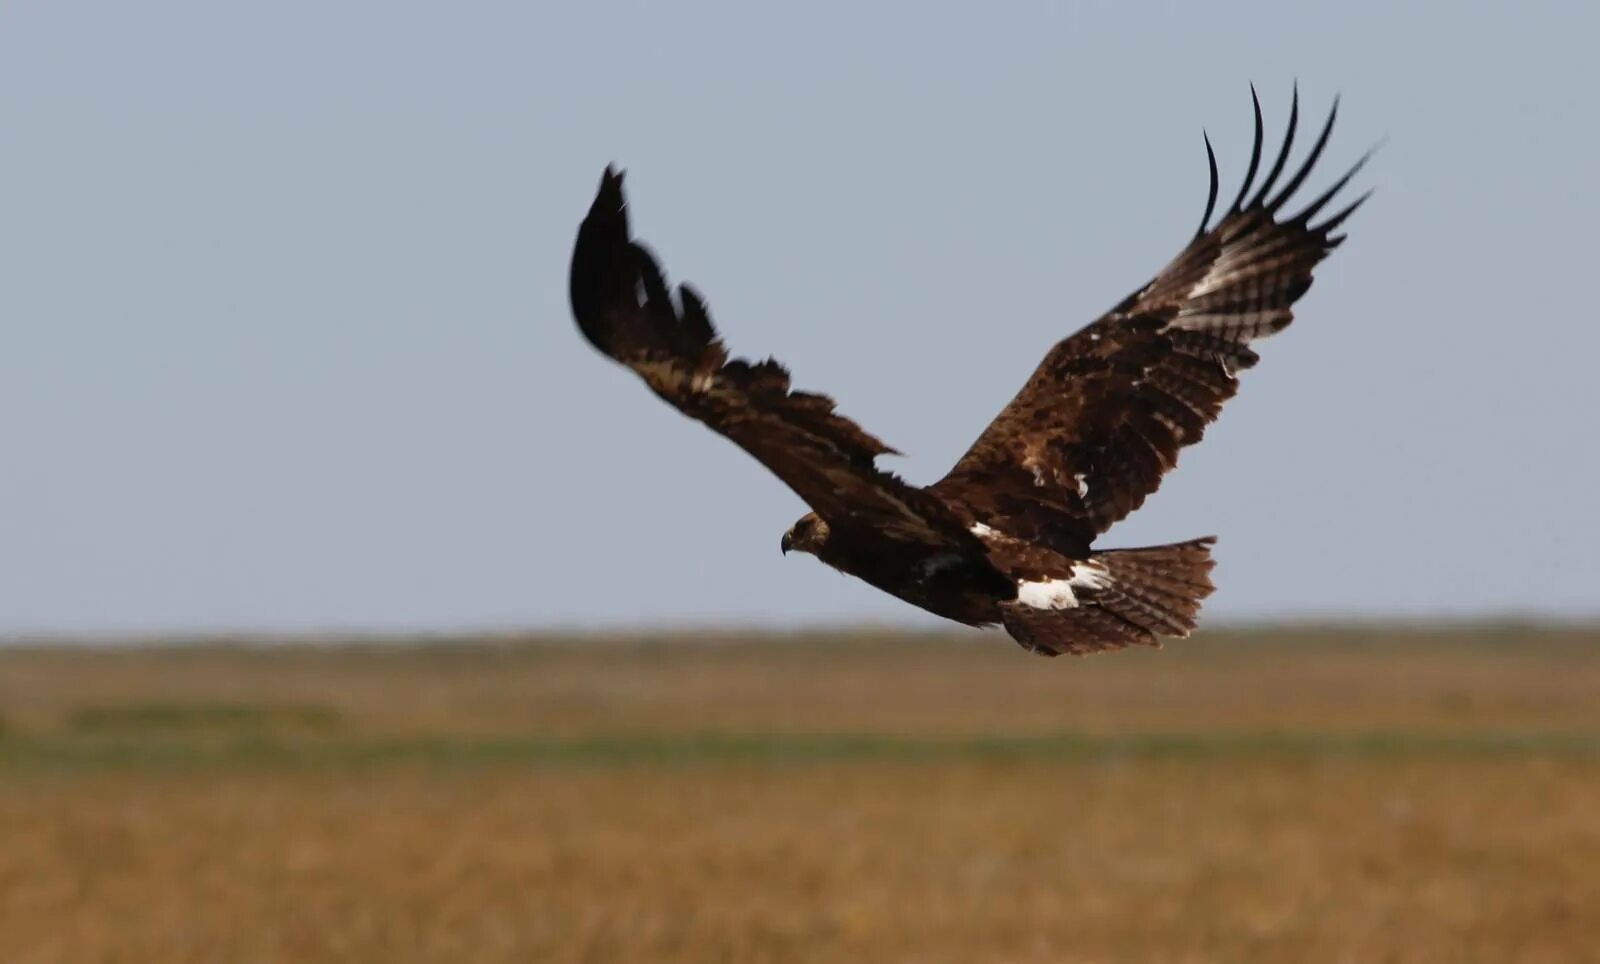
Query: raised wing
1103	417
622	305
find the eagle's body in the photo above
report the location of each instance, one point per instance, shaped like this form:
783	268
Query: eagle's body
963	586
1005	537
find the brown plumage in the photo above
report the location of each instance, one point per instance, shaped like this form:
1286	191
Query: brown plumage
1006	536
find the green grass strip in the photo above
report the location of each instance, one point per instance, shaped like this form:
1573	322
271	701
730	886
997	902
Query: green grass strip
161	752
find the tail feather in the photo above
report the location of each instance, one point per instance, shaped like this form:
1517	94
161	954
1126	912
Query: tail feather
1137	596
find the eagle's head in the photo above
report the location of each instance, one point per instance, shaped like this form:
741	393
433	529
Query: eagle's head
809	534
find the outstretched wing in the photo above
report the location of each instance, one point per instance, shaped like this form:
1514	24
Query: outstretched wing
622	305
1103	417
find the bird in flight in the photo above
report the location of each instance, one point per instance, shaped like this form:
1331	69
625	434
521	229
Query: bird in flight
1007	536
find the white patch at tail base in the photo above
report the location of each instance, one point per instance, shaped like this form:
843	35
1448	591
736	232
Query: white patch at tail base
1047	594
1058	593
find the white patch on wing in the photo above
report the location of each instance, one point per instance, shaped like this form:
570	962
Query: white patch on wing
1047	594
981	531
1083	484
1058	593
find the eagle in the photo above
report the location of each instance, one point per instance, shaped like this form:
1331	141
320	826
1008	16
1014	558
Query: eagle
1009	535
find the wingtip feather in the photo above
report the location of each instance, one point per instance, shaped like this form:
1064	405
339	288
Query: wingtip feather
1283	151
1300	176
1255	155
609	196
1211	194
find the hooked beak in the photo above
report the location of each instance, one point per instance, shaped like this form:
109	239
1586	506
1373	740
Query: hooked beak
787	543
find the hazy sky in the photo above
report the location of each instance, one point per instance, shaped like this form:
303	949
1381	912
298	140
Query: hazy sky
284	337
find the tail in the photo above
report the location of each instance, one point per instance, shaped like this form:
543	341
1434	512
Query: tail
1127	597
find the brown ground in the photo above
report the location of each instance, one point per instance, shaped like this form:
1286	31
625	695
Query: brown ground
1273	796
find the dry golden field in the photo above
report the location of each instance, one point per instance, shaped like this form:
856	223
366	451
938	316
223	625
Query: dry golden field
1361	795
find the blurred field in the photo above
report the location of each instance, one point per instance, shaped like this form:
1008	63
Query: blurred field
1357	795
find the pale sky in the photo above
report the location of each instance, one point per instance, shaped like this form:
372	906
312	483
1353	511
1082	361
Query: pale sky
285	345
